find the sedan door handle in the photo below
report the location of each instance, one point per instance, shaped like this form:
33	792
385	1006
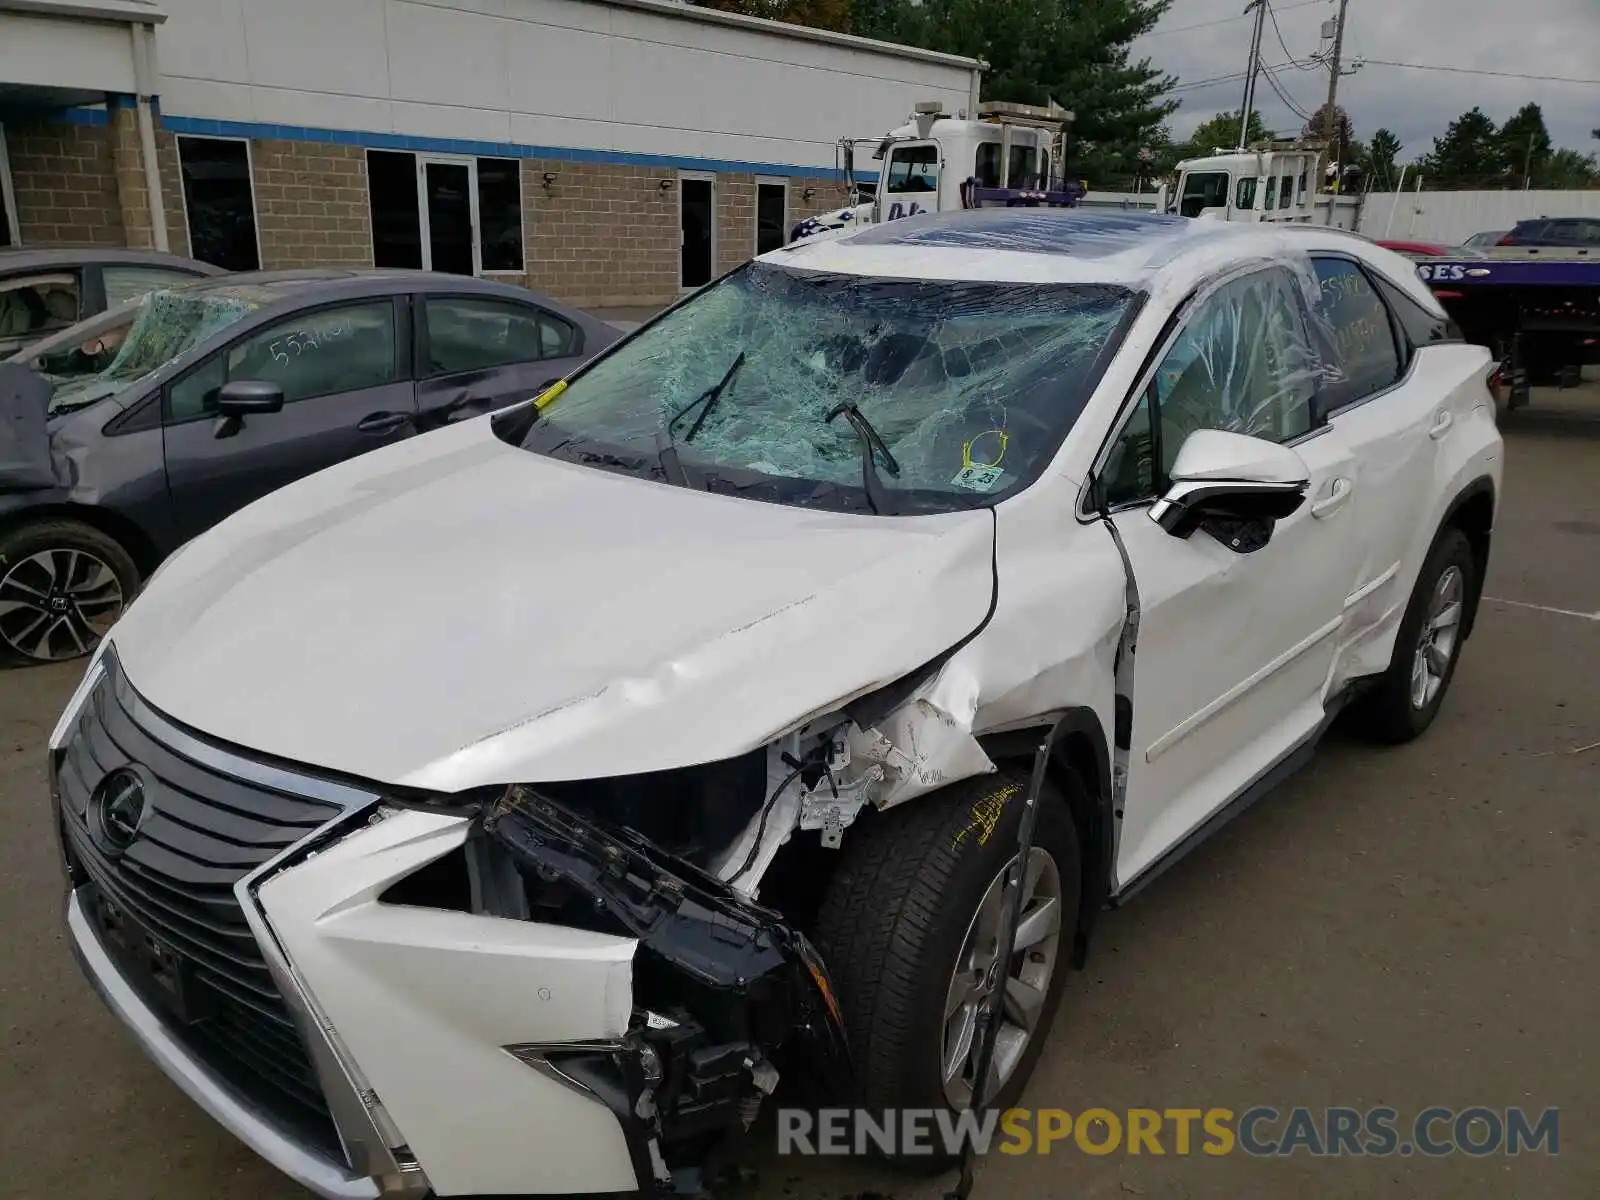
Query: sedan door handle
382	422
1336	499
1442	421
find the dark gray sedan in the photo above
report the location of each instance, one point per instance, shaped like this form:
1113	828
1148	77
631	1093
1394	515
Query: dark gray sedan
224	389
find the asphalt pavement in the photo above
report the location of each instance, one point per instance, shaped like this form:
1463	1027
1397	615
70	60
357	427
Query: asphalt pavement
1408	927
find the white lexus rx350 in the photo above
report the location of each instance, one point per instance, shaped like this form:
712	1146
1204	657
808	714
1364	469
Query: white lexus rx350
509	810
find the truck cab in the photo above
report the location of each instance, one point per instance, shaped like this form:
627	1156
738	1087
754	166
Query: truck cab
1273	182
1011	154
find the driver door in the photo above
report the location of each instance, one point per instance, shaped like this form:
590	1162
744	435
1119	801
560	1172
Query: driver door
345	374
911	180
1235	645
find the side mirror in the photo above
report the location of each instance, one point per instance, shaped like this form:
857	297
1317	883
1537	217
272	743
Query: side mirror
1233	479
242	397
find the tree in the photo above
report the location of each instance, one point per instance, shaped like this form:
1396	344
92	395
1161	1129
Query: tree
1043	50
1567	169
1468	154
1382	155
1525	146
1344	131
1221	132
818	14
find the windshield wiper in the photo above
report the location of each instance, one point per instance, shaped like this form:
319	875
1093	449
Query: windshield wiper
708	398
871	445
667	449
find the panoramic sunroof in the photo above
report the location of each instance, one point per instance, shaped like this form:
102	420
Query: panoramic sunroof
1087	235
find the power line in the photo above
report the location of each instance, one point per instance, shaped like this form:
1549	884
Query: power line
1227	20
1287	99
1287	53
1378	62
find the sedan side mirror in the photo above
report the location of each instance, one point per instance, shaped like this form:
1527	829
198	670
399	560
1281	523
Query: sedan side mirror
1234	479
242	397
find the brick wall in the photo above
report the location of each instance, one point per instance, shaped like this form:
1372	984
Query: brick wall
172	192
65	178
311	204
736	219
601	234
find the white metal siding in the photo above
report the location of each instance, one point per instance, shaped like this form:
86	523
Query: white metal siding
1453	217
58	53
559	73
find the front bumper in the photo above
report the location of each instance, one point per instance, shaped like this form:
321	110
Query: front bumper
446	1046
302	1163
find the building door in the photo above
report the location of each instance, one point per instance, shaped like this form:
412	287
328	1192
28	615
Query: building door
449	215
772	214
697	212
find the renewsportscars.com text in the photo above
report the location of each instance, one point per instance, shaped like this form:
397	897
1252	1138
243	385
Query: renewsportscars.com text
1259	1132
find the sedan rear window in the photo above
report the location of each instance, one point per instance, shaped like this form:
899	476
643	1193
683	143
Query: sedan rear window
970	386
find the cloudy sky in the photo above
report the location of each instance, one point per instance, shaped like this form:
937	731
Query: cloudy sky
1200	40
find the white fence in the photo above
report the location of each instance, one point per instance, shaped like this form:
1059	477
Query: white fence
1453	217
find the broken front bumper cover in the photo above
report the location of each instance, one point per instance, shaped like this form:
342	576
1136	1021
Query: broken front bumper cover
724	990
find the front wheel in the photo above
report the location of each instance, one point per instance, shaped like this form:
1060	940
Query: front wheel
910	929
1409	693
63	584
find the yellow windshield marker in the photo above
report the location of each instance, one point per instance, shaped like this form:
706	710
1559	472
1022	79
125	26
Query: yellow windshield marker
550	394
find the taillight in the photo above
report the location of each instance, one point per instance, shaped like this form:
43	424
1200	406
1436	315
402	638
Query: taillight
1497	383
1508	240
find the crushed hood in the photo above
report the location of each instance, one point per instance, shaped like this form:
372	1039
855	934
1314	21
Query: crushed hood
454	611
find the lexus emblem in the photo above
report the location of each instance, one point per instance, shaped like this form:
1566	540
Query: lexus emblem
119	806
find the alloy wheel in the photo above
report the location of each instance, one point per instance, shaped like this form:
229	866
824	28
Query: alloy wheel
57	604
1026	979
1437	642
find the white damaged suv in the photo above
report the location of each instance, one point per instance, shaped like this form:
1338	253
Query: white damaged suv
511	809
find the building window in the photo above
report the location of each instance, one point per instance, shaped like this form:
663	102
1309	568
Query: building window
458	215
500	213
772	215
10	235
219	203
392	197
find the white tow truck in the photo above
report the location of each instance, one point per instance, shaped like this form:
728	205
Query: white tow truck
1272	181
1010	155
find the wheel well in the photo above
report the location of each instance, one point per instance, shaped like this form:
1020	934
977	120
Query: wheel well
1473	515
1080	770
121	530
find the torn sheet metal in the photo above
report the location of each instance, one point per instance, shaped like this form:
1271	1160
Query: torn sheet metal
24	438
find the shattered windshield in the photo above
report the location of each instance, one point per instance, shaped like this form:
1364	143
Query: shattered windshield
964	389
168	324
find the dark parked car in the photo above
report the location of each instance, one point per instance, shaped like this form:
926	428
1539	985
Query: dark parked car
225	389
42	291
1579	233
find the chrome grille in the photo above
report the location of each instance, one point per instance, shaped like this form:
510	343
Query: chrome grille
165	906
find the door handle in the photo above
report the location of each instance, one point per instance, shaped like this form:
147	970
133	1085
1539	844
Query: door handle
1442	420
382	422
1336	498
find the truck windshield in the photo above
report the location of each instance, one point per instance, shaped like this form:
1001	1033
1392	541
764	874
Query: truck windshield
971	386
1203	190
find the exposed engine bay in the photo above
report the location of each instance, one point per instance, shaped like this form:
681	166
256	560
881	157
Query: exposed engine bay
724	991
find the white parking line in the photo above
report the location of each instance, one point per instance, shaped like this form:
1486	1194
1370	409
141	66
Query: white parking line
1562	612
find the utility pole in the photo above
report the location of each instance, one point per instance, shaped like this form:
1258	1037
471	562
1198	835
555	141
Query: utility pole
1251	70
1332	119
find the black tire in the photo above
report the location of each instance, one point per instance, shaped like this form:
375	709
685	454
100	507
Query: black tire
97	577
897	913
1390	713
